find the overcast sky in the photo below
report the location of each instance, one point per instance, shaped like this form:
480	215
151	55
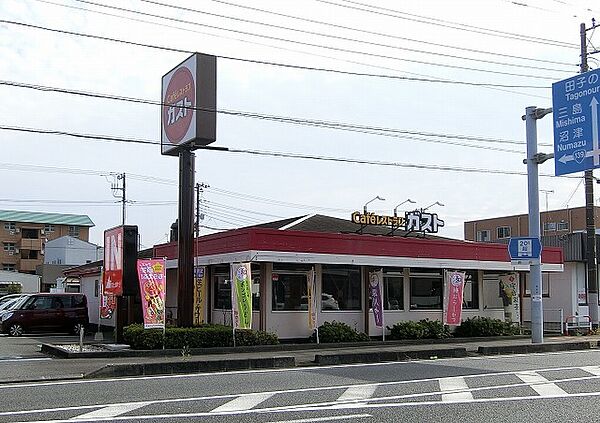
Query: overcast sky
42	172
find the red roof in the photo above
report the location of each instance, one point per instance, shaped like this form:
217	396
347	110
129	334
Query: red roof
348	244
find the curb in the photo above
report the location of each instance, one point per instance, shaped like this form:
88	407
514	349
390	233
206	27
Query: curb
179	367
41	379
58	352
374	357
538	348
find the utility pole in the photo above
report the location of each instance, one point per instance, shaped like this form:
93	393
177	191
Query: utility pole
199	188
115	187
590	224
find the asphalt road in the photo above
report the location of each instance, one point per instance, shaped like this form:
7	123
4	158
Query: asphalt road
518	388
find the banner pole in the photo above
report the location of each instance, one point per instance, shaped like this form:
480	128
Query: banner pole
99	335
382	289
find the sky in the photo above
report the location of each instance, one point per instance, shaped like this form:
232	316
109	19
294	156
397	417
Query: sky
447	81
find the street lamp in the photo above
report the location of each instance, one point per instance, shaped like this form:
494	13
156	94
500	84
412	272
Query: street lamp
370	201
431	205
405	201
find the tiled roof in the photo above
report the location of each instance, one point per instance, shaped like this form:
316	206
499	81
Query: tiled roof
46	218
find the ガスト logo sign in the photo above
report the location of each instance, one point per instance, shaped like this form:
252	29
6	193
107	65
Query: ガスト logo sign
179	101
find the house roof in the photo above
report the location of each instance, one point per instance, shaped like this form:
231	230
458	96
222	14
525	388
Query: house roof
94	267
45	218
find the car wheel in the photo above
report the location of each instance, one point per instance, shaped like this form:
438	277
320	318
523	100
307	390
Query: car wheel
77	328
15	330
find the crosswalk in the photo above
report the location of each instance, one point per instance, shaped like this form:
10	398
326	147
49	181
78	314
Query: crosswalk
502	386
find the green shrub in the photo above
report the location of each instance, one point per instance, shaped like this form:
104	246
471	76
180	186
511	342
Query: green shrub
423	329
407	330
331	332
485	326
205	336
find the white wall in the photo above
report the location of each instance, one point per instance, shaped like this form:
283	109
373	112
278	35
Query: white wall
29	283
88	289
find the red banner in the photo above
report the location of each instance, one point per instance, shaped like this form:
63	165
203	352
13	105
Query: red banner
453	297
113	262
152	277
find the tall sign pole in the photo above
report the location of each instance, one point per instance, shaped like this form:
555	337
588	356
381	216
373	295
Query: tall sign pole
590	224
185	268
188	122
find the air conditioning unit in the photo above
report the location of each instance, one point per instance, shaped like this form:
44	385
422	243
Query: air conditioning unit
17	230
16	251
42	232
11	253
12	232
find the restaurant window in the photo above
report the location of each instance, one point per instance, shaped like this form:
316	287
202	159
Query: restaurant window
289	291
222	287
341	288
471	290
483	236
393	289
425	289
503	232
545	284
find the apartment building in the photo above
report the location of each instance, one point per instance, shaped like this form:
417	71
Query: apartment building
553	222
23	236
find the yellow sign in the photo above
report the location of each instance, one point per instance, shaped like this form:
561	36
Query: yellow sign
199	295
375	219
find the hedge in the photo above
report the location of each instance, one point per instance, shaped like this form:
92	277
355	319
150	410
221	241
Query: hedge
485	326
205	336
332	332
423	329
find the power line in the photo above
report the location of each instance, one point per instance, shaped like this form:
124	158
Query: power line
447	24
289	155
372	130
308	44
283	65
381	34
354	40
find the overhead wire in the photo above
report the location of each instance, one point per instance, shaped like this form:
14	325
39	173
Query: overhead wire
286	154
424	79
354	40
343	126
386	35
445	23
309	44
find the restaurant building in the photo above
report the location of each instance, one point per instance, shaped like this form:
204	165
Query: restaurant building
342	253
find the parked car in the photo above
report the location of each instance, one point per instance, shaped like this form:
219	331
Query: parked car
45	312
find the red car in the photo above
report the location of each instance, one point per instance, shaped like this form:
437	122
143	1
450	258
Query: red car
45	312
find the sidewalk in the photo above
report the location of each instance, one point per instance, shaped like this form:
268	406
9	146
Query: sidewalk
286	356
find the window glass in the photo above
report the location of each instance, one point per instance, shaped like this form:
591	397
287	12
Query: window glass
393	289
341	288
9	246
471	290
41	303
222	288
483	235
77	301
545	284
289	291
9	226
550	226
503	232
563	226
425	289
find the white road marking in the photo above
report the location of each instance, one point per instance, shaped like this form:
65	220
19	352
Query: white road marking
324	419
358	392
110	411
538	383
295	369
454	384
20	360
243	402
594	370
324	388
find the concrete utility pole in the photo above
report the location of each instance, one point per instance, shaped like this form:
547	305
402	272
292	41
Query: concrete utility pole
116	187
532	114
590	224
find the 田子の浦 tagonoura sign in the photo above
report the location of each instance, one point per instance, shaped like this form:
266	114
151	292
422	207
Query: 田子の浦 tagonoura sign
189	100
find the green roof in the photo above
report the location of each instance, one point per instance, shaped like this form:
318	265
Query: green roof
49	218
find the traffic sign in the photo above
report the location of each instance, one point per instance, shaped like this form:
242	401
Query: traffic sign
524	250
575	109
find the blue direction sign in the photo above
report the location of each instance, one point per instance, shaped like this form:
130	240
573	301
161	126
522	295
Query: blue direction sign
575	115
524	249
